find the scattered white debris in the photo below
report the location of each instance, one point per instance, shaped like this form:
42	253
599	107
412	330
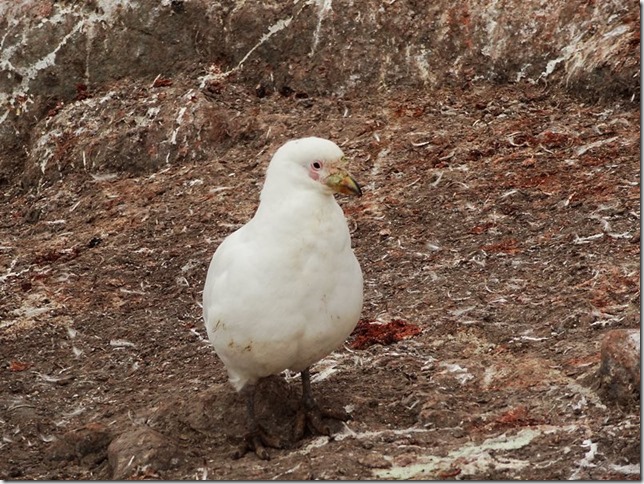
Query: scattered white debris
509	192
587	461
583	149
196	181
419	144
182	281
347	432
439	177
75	206
101	177
623	235
290	471
586	394
488	376
10	272
121	343
130	291
635	339
205	341
447	156
607	321
217	75
32	306
324	374
462	311
323	9
49	378
201	474
626	469
219	189
528	338
587	240
429	364
314	444
462	374
473	458
152	112
191	264
77	411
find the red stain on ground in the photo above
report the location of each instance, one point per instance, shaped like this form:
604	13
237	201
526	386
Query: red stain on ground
506	246
368	333
452	472
18	366
516	417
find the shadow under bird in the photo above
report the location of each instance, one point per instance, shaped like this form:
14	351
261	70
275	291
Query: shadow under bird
286	289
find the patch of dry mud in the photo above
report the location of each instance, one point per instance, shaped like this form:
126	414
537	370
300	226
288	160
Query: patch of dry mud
503	222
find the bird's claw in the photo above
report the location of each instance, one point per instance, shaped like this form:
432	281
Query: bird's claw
257	441
313	419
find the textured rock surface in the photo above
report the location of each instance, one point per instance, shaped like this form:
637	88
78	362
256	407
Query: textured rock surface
87	444
142	452
323	46
53	53
619	373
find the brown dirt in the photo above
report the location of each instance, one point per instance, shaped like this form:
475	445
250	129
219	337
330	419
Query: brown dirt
502	221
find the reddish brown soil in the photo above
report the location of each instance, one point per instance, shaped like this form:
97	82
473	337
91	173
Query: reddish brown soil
369	333
503	222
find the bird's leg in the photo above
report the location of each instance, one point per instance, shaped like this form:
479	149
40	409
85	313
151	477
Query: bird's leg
257	439
310	415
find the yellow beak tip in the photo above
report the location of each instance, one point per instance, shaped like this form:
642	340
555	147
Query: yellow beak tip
349	186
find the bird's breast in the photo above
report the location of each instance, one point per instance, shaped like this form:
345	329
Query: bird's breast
291	291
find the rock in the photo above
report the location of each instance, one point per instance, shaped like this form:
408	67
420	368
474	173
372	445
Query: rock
316	48
87	444
374	461
58	53
142	449
79	139
619	372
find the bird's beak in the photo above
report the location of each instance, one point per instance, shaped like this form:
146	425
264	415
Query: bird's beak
342	182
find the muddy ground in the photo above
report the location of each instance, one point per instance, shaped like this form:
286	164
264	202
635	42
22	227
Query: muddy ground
503	221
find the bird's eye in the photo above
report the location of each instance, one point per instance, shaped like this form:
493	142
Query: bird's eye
317	165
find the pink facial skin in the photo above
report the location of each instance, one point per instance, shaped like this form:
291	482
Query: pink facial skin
314	170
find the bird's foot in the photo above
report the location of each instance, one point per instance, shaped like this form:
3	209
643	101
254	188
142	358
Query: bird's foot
313	418
256	441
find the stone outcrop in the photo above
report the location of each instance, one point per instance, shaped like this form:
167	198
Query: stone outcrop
619	373
56	53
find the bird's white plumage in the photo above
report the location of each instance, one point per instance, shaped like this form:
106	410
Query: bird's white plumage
285	289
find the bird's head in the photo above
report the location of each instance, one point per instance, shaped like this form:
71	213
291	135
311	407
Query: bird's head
315	160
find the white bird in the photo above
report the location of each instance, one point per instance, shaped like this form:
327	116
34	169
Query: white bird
286	289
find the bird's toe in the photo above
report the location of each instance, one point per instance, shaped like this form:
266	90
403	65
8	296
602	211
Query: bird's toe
314	419
256	441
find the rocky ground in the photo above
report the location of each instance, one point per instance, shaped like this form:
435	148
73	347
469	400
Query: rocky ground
499	238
